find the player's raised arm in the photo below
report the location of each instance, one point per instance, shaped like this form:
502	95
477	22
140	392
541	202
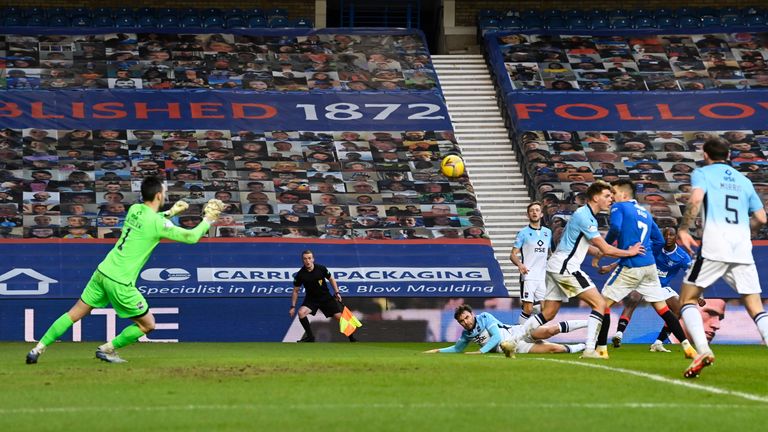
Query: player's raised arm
608	250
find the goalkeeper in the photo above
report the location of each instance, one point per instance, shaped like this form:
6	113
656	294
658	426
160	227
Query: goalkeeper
114	280
494	336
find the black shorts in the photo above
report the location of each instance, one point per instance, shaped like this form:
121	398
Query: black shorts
328	305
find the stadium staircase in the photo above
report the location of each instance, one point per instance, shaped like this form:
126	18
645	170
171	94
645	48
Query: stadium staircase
488	153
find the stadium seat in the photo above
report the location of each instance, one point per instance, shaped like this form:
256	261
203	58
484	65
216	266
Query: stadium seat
253	12
600	23
732	21
278	21
103	21
708	11
277	12
637	13
35	20
303	23
58	21
578	23
212	12
685	11
190	21
54	11
102	11
755	21
602	13
530	13
142	12
573	13
556	23
31	11
553	13
663	12
533	22
125	21
213	21
666	22
168	21
12	20
235	22
122	11
688	22
147	21
488	13
488	23
621	23
257	21
82	21
78	12
162	12
643	22
710	21
618	13
511	23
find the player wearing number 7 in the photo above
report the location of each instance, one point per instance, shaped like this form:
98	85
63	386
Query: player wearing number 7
726	245
114	280
631	223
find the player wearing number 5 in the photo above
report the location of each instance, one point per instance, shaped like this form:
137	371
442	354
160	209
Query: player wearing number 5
114	280
631	223
726	246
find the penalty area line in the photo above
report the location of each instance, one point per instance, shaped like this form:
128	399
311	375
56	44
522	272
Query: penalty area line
663	379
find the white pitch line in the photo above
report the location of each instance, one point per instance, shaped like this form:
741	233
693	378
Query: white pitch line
393	405
659	378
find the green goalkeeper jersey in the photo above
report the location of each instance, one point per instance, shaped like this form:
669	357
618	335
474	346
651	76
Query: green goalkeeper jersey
142	231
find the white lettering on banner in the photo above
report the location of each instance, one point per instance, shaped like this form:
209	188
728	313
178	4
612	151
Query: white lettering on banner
425	289
349	274
110	324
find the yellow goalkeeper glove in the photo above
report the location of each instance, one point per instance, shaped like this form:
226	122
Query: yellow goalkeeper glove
179	207
212	210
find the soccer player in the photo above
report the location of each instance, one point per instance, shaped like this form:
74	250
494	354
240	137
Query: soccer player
631	223
494	336
533	244
670	259
313	277
564	276
114	280
726	245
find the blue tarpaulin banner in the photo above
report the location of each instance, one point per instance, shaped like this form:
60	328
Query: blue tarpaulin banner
147	109
263	269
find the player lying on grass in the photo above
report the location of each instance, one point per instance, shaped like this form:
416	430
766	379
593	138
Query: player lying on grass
494	336
114	280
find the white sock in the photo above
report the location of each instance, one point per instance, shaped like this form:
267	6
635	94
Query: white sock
761	320
658	342
695	326
574	325
107	347
532	323
594	322
39	348
575	348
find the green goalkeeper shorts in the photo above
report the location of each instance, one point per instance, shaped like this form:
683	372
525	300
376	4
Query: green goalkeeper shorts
126	299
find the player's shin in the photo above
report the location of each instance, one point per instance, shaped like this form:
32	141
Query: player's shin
761	321
594	322
695	326
571	325
129	335
602	337
54	332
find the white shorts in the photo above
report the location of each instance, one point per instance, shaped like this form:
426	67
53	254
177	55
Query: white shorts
532	291
644	280
561	287
741	277
516	332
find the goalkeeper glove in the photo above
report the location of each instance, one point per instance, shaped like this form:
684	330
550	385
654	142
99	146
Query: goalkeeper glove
179	207
212	210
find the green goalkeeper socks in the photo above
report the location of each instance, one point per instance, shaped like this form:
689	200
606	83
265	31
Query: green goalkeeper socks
61	325
129	335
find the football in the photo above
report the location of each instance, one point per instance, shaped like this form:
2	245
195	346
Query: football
452	166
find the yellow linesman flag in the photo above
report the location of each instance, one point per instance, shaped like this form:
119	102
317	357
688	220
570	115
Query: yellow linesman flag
348	323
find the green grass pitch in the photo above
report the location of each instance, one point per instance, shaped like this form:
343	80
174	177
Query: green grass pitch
374	387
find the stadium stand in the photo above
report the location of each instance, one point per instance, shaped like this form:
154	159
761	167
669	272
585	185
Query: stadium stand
317	63
689	62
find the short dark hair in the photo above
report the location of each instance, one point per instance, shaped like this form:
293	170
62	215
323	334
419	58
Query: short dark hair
596	188
305	251
150	187
716	149
534	203
460	310
624	184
